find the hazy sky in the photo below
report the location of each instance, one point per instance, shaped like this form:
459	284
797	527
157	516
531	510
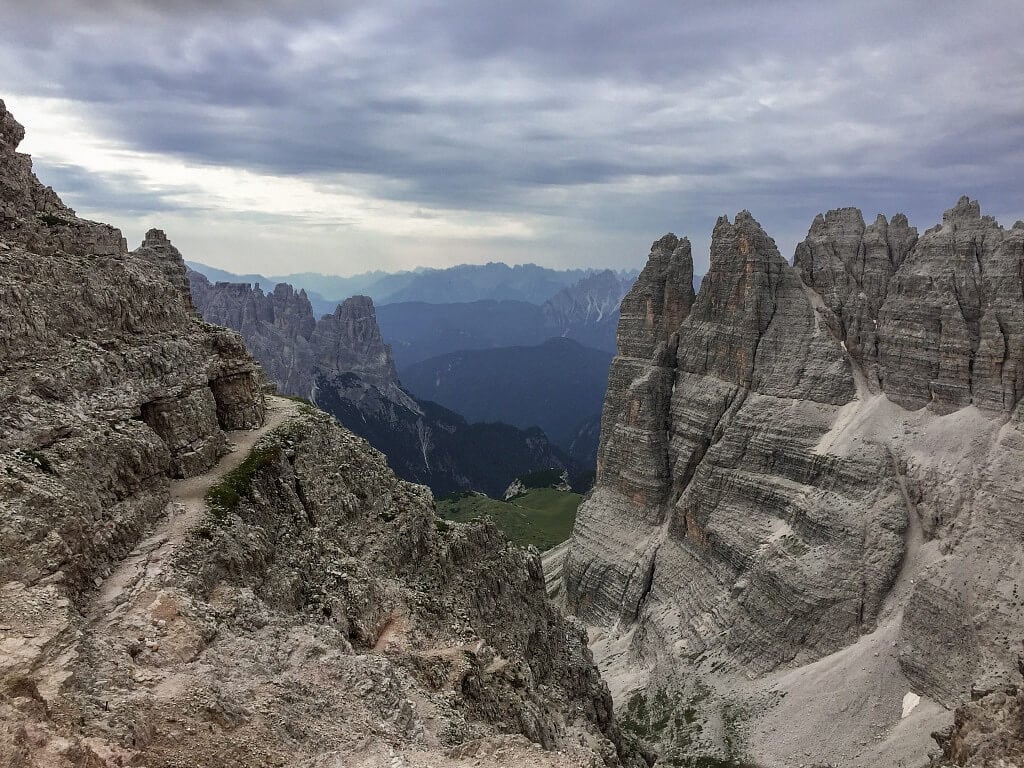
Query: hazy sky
344	136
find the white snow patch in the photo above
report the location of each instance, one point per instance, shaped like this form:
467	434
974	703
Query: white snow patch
910	701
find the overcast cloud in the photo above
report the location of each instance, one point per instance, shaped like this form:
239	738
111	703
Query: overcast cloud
341	137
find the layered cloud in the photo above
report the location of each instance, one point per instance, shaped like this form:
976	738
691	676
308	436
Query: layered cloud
352	136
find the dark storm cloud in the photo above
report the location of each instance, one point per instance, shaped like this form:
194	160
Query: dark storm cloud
642	115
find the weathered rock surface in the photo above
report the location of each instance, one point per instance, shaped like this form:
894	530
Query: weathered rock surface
988	731
109	383
342	364
276	326
933	321
312	610
324	616
633	453
769	499
850	265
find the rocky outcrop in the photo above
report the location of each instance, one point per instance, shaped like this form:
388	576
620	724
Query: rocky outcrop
276	327
109	383
771	493
21	194
850	265
349	341
342	364
959	339
988	731
633	455
318	615
290	603
933	321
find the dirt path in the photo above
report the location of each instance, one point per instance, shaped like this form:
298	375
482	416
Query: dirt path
183	513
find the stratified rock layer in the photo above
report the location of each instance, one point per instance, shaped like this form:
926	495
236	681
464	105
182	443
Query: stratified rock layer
933	321
807	457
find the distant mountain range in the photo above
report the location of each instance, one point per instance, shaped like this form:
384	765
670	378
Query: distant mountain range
462	283
418	331
556	385
523	363
586	311
342	364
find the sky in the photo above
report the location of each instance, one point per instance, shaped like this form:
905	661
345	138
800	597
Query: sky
343	137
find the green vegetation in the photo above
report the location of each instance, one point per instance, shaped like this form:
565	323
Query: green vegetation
237	484
52	221
36	459
298	399
544	478
674	726
542	517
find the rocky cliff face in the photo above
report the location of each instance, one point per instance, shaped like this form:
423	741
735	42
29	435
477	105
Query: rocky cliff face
813	468
934	321
342	364
276	327
987	731
291	602
109	383
291	345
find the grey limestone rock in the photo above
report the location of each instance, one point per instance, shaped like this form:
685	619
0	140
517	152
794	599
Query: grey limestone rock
293	347
349	340
952	322
850	265
714	386
106	376
933	321
772	489
276	326
633	454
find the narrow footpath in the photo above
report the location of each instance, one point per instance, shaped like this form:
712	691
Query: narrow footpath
184	512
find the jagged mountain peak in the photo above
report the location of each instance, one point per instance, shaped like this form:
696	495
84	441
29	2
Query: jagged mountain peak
11	131
965	209
786	488
341	363
21	193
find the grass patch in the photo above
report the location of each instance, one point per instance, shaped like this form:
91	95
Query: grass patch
237	484
541	517
299	399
